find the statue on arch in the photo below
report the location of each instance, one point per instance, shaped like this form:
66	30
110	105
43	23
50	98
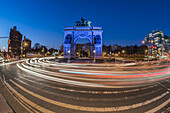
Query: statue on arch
78	23
88	23
83	21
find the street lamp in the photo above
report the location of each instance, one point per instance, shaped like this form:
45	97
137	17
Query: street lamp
77	54
68	56
148	48
123	51
25	44
110	54
43	51
143	42
25	48
4	48
94	51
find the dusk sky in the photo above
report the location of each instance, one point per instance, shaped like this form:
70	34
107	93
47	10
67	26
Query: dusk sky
124	22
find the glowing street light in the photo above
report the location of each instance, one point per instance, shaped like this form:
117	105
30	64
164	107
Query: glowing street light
25	44
110	54
94	51
143	42
123	51
77	54
148	48
4	47
68	56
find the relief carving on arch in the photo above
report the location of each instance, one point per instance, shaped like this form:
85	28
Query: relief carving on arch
68	39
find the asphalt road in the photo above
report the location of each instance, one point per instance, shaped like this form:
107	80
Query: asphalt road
40	85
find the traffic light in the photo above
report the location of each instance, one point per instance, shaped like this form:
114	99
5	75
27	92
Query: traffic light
153	47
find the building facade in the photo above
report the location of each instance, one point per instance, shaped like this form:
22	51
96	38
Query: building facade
155	42
26	46
82	30
167	44
14	42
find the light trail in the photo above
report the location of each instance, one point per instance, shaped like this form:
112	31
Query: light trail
3	64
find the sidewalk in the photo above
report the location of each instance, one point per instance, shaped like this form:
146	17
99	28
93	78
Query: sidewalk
8	104
4	107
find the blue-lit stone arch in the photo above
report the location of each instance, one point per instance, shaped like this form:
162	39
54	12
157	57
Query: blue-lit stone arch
68	39
97	39
88	38
72	34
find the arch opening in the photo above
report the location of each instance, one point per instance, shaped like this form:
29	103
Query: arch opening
82	48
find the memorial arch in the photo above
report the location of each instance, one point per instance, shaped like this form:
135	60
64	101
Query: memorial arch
82	30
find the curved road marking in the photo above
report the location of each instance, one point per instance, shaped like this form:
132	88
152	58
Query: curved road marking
91	92
159	107
89	99
97	109
28	101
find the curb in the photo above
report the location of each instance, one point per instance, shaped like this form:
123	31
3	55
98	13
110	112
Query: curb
4	107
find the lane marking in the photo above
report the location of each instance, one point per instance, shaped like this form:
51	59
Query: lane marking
103	109
91	92
34	105
159	107
17	99
163	86
168	81
89	99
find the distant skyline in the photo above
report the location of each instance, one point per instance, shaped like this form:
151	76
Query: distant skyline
124	22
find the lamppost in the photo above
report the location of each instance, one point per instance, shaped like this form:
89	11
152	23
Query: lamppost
68	56
56	54
43	51
148	47
77	54
115	57
153	47
110	54
94	51
21	52
25	48
123	51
